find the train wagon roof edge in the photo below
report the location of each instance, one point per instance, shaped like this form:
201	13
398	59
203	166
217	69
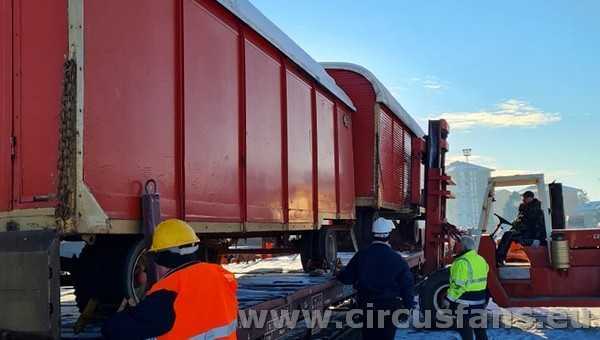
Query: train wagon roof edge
383	95
250	15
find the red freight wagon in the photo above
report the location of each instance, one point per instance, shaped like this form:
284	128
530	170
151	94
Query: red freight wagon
388	148
245	134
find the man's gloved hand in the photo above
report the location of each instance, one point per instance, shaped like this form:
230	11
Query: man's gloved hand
535	243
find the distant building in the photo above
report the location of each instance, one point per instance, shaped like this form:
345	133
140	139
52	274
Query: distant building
471	184
586	216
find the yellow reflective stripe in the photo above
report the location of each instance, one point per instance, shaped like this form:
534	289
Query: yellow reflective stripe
460	282
470	280
217	332
470	273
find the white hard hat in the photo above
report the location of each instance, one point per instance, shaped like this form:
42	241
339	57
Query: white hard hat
383	226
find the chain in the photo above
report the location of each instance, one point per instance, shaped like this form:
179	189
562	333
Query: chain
67	149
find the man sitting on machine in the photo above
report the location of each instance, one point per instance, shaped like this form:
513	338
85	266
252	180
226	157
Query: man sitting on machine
528	229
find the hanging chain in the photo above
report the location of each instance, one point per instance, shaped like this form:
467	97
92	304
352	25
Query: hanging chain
67	149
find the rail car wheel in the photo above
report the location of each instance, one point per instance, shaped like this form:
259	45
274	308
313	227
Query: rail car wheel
136	266
432	296
110	270
318	250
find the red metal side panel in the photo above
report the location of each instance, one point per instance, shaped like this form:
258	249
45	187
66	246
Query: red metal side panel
346	163
387	181
211	116
5	103
417	146
263	137
399	162
326	155
361	92
130	102
40	44
407	176
300	168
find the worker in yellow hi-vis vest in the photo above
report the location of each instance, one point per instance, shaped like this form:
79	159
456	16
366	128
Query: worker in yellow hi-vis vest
467	294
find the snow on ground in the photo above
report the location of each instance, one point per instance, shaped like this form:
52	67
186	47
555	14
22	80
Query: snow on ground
521	325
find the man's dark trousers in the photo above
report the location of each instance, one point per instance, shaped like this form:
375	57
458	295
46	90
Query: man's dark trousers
469	313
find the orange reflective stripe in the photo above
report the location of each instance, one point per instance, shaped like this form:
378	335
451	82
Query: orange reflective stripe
218	332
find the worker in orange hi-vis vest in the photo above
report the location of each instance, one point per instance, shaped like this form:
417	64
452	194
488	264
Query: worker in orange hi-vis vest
191	300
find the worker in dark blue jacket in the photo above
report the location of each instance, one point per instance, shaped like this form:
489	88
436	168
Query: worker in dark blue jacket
383	281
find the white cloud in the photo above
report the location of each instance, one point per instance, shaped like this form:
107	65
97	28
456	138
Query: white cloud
397	90
429	83
510	113
432	84
488	162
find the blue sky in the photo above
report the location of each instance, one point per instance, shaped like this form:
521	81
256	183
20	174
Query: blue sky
519	81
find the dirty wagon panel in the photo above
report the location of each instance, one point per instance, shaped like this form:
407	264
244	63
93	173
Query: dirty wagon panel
300	167
346	163
211	115
39	49
263	134
130	105
326	155
5	102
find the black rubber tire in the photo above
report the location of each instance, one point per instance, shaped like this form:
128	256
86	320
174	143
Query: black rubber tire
104	270
134	253
432	291
318	250
306	250
326	250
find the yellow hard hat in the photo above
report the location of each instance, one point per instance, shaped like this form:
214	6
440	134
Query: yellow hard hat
172	233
